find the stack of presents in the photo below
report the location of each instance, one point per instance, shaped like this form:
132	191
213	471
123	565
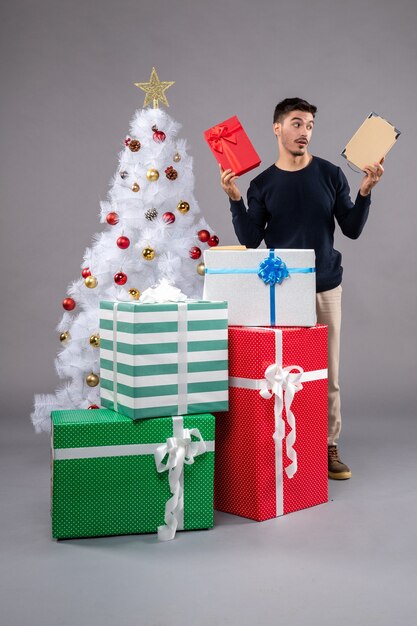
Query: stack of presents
213	404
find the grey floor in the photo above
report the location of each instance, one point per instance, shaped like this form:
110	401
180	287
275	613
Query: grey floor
350	562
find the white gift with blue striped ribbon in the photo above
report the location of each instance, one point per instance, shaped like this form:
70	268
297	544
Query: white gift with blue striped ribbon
232	275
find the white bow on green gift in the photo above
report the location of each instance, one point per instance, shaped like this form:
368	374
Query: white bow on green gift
180	450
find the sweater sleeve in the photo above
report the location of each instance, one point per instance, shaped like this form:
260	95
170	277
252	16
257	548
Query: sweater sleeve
350	216
249	224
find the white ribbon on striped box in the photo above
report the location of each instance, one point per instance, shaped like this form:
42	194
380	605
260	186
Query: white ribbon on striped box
182	357
283	383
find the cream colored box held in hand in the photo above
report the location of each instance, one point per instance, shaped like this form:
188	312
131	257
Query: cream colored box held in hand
371	142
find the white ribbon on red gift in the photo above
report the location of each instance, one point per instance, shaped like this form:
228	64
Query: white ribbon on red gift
283	383
181	450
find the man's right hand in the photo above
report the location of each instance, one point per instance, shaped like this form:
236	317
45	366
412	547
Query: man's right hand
227	181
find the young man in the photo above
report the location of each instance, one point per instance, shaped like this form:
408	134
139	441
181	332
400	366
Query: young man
294	204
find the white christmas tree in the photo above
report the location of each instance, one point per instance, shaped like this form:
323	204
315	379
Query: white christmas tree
154	231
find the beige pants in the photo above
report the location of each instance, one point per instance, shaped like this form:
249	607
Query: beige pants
329	311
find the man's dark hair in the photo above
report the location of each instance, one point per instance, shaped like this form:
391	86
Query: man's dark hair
292	104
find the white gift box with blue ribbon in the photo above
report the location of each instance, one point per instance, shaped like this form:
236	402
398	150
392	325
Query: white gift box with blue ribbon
263	287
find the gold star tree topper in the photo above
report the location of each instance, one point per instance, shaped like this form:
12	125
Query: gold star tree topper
155	90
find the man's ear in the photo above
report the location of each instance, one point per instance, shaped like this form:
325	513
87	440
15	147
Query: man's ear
277	128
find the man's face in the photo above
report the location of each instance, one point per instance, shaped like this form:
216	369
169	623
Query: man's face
294	132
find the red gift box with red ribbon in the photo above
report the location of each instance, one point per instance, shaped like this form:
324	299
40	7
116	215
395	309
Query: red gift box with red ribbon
271	446
231	146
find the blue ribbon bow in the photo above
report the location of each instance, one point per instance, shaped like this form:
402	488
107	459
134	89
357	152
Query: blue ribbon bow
273	270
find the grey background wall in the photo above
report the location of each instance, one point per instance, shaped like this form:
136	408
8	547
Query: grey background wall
67	77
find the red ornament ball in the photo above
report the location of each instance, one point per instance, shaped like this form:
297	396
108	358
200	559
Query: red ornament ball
123	242
158	135
168	217
112	218
85	272
68	304
203	235
120	278
195	252
93	406
213	241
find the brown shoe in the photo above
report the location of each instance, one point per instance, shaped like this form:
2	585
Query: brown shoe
337	469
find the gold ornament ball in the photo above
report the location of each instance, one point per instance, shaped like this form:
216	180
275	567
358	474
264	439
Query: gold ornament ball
92	380
95	341
148	254
152	174
201	269
177	157
183	207
91	282
63	337
135	187
134	293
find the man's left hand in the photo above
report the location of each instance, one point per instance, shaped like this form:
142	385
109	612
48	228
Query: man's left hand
373	176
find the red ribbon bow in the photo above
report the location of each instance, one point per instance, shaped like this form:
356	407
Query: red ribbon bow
219	134
219	138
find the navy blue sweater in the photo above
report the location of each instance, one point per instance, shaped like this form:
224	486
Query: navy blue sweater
298	210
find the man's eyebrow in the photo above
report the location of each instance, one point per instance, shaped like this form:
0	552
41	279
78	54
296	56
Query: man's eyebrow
301	120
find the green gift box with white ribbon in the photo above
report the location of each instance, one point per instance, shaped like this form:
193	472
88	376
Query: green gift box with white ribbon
163	358
115	476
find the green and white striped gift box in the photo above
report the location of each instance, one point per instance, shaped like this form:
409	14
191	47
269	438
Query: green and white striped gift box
163	359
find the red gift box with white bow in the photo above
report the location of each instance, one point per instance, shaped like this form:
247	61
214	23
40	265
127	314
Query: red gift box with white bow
231	146
271	446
